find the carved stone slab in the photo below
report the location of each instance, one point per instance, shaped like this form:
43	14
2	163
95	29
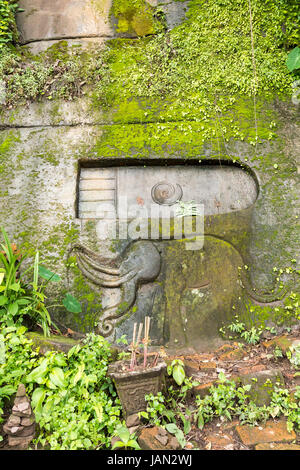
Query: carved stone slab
221	189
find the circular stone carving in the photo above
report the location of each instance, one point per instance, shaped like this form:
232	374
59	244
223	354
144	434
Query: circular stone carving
166	194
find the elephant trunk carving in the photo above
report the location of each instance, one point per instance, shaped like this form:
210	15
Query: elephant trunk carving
138	264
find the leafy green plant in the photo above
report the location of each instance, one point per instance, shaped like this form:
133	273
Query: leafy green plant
8	29
293	60
20	299
18	360
293	355
223	400
157	412
251	336
178	433
176	369
74	401
127	440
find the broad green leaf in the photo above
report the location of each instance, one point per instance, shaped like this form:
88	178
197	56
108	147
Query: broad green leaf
118	444
13	308
7	390
3	300
186	426
21	330
15	287
200	421
36	270
293	59
48	406
132	443
48	275
57	377
72	304
37	399
172	428
123	434
1	277
73	350
23	301
38	373
178	374
60	360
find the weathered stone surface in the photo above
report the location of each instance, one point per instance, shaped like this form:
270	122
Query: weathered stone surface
52	343
22	410
276	446
27	421
63	19
20	431
271	432
13	421
133	420
19	442
262	384
21	392
148	440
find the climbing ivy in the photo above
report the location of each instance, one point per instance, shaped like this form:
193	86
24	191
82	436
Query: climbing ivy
8	29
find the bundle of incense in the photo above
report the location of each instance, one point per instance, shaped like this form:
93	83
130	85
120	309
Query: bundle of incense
135	344
146	339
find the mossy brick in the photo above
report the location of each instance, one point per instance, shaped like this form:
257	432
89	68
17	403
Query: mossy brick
272	431
209	366
282	342
262	384
52	343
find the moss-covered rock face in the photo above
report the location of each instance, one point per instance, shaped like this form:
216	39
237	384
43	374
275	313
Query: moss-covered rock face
215	87
134	17
200	290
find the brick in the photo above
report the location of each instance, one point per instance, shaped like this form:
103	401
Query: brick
148	440
220	441
208	366
191	367
271	432
202	389
233	355
252	369
282	342
225	348
276	446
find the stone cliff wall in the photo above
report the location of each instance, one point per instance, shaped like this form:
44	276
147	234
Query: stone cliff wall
44	144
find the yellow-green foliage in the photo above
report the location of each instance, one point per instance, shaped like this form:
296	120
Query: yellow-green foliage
8	29
134	16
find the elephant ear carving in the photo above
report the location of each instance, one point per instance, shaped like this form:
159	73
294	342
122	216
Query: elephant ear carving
139	263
